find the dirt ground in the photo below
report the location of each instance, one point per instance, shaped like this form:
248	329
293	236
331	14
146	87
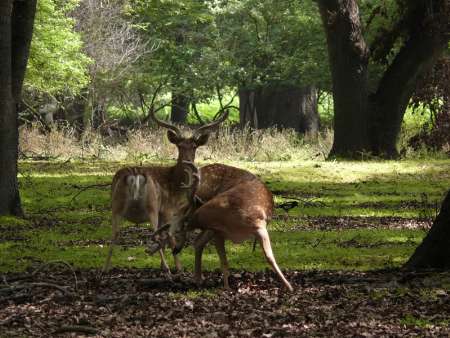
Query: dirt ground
55	301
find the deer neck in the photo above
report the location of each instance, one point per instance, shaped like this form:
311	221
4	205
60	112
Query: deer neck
179	174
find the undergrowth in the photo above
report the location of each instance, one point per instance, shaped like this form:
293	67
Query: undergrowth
142	144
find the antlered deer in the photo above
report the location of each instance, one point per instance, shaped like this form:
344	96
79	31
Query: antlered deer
158	194
236	206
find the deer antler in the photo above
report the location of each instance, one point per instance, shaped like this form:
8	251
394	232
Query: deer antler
161	123
209	126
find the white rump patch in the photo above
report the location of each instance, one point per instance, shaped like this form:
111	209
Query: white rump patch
136	186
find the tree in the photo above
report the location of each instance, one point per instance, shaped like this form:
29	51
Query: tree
210	47
369	108
434	251
278	54
282	106
57	69
433	93
188	60
16	27
57	64
115	47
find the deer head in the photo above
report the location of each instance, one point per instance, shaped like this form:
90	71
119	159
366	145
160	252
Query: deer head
187	146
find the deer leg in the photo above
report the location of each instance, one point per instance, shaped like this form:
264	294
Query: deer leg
115	234
154	219
219	242
176	259
178	265
263	237
199	244
164	266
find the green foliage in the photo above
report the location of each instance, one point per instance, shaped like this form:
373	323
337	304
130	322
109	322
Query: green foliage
209	109
274	43
57	63
187	56
205	46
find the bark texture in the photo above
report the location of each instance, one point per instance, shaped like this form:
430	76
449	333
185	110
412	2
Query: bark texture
16	26
180	108
282	107
389	103
348	56
247	108
434	251
371	122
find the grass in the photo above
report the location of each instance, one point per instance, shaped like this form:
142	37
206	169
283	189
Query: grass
411	320
66	223
331	250
377	189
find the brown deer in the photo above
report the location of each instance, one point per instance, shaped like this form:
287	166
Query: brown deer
158	194
235	205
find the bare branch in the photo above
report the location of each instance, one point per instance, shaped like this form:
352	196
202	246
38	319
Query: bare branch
83	189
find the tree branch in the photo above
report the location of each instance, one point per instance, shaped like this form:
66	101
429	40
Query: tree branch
197	115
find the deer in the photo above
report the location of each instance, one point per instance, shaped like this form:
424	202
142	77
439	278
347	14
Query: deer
158	194
232	204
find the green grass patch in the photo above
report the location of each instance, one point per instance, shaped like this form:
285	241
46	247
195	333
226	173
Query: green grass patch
69	215
411	320
361	249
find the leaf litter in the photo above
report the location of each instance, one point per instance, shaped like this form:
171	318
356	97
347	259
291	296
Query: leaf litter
56	300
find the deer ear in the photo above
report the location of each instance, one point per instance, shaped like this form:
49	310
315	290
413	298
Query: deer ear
201	140
173	137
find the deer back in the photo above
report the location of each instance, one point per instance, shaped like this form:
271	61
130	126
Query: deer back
235	202
218	178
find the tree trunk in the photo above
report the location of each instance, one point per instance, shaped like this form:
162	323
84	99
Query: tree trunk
373	124
247	108
75	113
9	192
98	115
389	103
16	25
309	113
348	56
22	32
434	251
282	107
180	108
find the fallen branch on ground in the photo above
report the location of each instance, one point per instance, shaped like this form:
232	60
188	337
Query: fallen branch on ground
87	187
19	287
76	328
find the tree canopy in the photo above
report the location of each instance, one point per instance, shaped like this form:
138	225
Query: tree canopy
57	63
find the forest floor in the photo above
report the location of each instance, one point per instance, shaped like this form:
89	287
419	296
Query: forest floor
342	248
142	302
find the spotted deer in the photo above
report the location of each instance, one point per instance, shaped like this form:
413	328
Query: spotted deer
234	205
158	194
